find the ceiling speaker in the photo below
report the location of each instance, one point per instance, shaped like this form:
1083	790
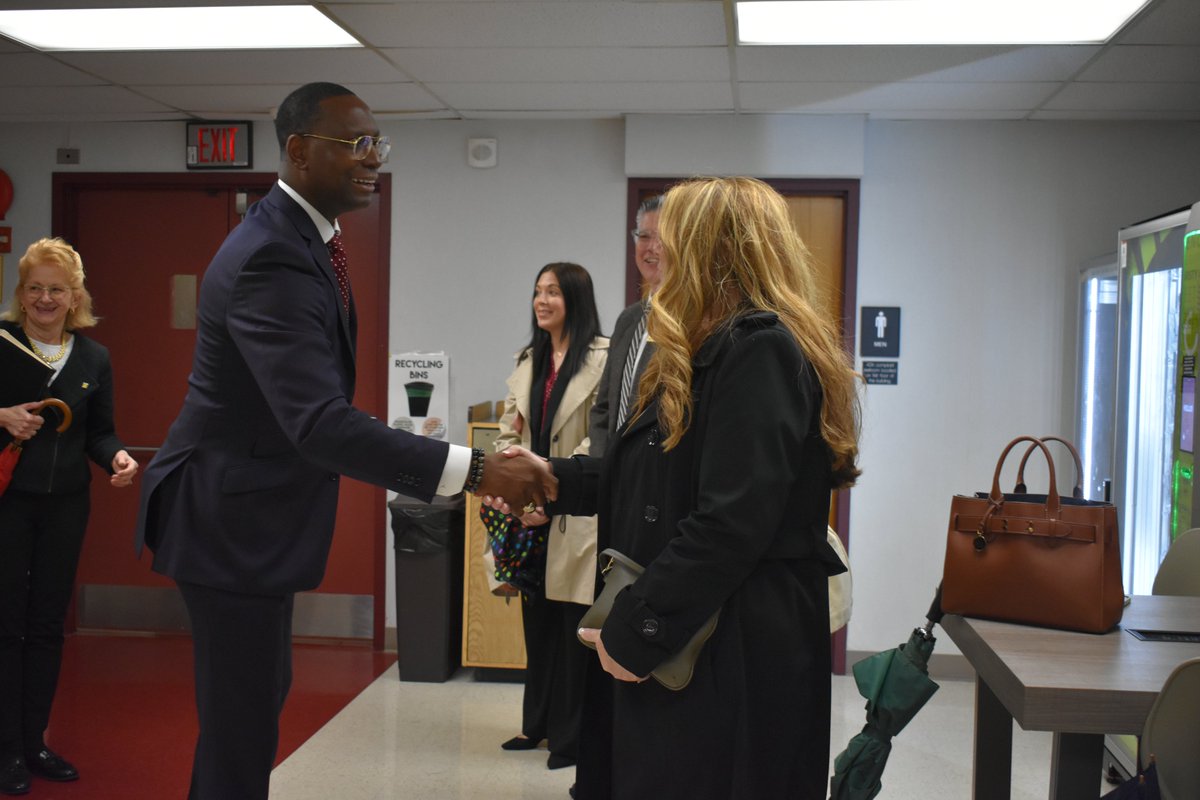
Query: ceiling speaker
481	153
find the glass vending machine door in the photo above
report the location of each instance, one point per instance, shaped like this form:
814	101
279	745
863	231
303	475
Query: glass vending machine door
1148	396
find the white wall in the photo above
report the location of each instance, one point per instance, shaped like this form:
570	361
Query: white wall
467	243
975	229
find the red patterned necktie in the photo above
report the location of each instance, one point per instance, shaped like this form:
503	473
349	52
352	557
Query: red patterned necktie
337	254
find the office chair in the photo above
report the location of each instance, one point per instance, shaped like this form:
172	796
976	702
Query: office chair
1179	573
1172	733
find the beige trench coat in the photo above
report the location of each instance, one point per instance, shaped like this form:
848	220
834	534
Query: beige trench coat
571	549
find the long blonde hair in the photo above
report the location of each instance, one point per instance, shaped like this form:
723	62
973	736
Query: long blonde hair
730	248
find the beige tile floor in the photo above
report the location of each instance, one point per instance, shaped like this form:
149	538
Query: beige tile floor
441	741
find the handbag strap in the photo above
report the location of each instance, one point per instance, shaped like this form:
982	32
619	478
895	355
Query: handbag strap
1053	504
1077	491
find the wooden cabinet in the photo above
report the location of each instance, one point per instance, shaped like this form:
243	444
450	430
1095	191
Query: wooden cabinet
492	635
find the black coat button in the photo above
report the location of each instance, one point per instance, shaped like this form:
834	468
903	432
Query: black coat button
333	476
649	627
652	439
650	514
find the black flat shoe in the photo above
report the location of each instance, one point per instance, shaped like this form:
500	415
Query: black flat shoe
14	776
521	743
555	761
48	764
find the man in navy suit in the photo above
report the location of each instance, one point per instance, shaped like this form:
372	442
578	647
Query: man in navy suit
239	503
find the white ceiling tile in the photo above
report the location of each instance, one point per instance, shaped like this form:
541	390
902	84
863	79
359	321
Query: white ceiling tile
261	99
239	67
476	114
567	59
945	64
1168	22
1145	63
533	24
80	115
646	96
537	64
1165	116
990	114
80	99
1150	97
856	98
36	69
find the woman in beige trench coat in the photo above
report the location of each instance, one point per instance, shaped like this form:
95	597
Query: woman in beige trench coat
550	393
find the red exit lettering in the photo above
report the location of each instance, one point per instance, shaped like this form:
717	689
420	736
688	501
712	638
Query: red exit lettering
216	145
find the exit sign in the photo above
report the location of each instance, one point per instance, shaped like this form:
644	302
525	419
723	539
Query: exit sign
218	145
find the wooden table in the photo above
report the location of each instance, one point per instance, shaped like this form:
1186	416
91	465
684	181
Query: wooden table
1080	686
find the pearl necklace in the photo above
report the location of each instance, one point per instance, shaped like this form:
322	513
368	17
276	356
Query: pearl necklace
62	350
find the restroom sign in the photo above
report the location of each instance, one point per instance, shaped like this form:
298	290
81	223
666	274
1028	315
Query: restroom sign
880	335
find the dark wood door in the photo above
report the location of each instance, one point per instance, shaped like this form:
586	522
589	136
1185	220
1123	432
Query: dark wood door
146	240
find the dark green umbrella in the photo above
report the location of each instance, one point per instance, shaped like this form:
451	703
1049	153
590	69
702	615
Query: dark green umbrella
896	684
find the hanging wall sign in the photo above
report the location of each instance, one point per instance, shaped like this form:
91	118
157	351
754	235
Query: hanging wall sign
218	145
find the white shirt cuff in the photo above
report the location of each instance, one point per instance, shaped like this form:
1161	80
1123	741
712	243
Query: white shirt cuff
454	474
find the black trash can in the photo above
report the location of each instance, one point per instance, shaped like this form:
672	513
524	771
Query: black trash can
429	573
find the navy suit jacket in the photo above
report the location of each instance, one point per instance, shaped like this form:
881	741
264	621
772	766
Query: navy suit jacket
243	493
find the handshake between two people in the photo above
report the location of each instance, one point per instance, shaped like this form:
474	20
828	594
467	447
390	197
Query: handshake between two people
518	482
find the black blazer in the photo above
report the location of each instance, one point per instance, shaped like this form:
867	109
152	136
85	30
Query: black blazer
243	493
56	463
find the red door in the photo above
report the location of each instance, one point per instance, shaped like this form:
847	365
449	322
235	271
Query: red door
145	240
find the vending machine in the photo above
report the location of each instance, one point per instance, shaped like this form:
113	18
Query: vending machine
1140	337
1155	390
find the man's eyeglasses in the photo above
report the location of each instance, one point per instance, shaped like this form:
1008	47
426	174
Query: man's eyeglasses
56	292
362	145
644	237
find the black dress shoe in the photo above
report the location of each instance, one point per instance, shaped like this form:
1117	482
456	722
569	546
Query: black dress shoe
521	743
556	761
48	764
571	791
14	777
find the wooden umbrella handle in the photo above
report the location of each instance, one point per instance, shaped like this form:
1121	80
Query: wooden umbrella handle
63	409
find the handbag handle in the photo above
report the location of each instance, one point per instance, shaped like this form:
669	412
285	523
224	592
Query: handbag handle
1053	504
1076	492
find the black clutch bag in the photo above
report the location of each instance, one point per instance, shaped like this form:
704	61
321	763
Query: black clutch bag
620	571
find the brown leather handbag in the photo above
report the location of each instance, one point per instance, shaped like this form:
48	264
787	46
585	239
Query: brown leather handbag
1034	559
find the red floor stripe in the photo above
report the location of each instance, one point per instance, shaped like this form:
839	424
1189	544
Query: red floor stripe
124	714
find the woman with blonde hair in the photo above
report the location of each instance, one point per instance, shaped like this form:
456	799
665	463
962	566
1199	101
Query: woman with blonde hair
719	486
44	511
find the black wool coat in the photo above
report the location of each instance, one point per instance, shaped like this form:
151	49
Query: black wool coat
732	518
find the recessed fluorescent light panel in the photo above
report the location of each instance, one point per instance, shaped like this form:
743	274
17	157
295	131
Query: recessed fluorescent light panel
191	28
932	22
